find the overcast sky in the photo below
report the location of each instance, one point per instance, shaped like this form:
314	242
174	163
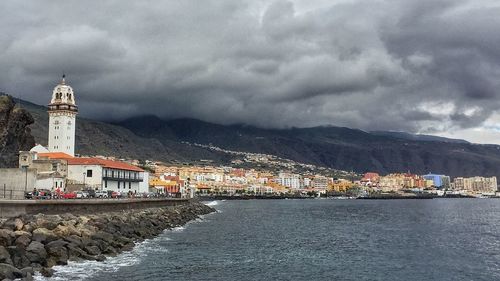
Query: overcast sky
422	66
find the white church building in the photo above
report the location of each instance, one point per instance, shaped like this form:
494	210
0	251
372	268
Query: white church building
78	172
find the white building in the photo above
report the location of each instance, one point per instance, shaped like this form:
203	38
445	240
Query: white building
103	174
476	184
289	180
320	182
62	117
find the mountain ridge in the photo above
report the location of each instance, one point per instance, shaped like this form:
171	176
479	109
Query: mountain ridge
341	148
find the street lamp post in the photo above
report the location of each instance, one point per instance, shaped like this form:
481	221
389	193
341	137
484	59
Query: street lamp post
25	178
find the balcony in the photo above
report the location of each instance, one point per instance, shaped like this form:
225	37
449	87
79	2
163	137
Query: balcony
122	178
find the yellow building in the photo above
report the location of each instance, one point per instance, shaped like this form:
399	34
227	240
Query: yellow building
340	185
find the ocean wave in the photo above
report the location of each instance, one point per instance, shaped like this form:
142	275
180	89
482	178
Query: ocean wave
79	271
177	229
212	203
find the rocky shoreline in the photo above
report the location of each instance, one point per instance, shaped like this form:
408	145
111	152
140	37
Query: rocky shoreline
36	243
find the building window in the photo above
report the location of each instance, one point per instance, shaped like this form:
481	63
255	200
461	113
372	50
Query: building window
54	166
106	183
112	174
118	185
89	173
129	185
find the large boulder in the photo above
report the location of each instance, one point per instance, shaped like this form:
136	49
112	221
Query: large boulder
57	251
66	230
23	239
73	239
18	224
44	235
9	224
104	236
76	253
7	271
92	250
36	252
27	272
6	237
4	255
47	272
18	256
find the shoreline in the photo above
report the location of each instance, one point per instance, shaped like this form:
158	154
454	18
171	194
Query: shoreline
36	243
372	197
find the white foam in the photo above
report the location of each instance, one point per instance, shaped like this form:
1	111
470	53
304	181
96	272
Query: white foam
79	271
178	229
212	203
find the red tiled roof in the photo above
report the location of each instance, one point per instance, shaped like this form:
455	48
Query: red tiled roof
105	163
55	155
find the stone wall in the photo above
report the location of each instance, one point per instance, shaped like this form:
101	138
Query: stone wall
13	208
13	182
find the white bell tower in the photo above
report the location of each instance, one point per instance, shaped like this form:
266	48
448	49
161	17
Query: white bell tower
62	117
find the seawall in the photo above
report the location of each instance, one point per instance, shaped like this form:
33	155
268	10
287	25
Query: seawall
14	208
36	242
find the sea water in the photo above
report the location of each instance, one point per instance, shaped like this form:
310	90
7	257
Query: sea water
439	239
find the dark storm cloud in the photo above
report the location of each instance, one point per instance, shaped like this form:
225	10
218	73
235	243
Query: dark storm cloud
426	65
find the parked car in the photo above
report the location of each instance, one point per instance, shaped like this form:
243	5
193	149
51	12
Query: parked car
116	194
43	194
101	194
69	195
28	195
81	195
91	193
150	194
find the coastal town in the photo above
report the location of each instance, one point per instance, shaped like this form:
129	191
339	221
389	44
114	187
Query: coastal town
58	172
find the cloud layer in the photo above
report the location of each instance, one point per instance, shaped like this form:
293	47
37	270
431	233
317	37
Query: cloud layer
430	66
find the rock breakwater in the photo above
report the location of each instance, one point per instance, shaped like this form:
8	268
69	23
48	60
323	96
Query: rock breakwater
32	243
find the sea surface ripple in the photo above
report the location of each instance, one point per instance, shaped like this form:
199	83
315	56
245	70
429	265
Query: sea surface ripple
439	239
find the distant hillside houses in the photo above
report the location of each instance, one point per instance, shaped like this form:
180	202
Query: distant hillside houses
401	181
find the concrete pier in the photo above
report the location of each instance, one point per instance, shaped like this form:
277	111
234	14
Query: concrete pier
13	208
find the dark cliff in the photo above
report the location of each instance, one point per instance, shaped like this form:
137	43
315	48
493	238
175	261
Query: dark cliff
15	134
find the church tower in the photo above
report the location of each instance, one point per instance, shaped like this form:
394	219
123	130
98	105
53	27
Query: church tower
62	117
